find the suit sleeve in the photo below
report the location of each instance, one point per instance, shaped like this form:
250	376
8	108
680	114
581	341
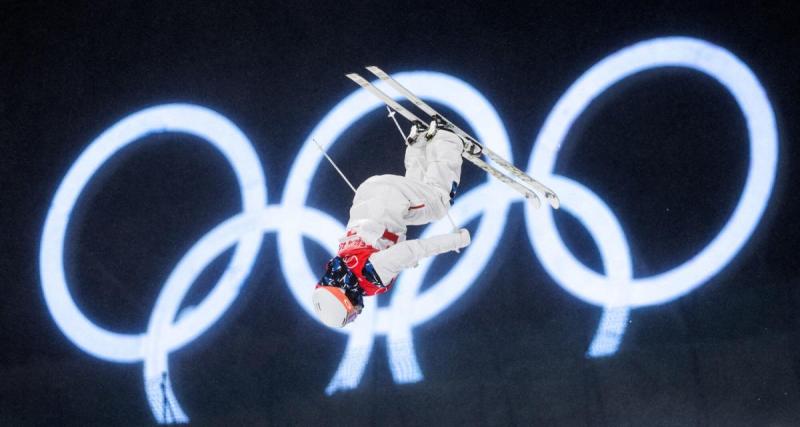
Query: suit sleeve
390	262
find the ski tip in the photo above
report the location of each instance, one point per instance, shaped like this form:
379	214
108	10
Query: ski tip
535	202
555	203
357	78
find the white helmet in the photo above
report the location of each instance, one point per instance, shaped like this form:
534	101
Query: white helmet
333	307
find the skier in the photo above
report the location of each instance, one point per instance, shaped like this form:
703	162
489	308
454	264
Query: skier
374	249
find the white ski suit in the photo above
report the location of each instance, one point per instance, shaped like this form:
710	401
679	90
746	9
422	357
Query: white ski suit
388	203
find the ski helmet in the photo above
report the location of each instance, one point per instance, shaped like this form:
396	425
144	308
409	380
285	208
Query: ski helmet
333	307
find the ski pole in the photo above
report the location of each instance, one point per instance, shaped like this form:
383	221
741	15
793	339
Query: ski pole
391	115
455	229
334	165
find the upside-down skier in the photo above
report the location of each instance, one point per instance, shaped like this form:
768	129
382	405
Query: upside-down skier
374	249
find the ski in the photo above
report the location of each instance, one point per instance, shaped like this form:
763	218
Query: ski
388	100
549	194
505	179
421	126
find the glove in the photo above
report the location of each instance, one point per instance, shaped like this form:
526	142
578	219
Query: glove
465	240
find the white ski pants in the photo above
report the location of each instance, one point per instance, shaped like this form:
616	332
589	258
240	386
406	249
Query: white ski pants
392	202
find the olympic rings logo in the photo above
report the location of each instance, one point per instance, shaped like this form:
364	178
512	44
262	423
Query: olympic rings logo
617	291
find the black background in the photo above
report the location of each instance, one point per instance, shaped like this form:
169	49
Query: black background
666	149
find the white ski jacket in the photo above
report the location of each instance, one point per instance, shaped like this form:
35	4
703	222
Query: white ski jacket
385	205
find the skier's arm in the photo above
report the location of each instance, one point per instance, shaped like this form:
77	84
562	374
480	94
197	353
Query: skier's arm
390	262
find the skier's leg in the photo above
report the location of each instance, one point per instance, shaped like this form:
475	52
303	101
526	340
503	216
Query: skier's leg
443	155
433	171
415	161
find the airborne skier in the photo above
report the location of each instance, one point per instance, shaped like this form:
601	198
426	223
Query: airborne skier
374	249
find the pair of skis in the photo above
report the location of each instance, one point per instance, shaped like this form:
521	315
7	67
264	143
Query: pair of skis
473	149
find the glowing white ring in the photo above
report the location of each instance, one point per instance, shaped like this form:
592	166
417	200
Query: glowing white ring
441	88
728	70
408	308
477	111
236	148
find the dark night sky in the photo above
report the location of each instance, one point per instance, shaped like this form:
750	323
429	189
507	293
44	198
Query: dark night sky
667	149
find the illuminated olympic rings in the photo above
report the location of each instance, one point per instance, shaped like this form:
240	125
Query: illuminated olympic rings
616	291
